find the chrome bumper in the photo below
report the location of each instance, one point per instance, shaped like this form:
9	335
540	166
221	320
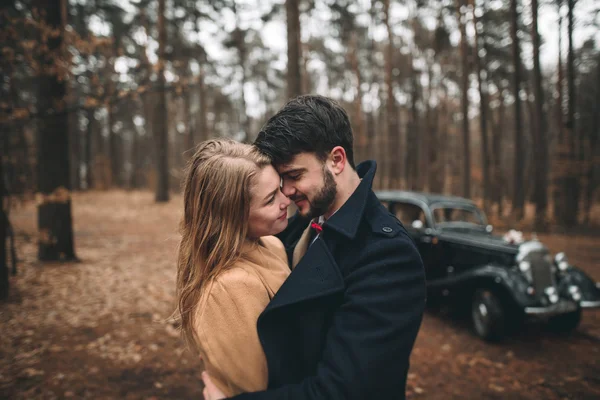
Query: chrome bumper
590	304
562	307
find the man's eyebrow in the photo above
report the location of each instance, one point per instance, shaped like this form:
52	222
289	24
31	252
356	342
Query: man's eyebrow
293	171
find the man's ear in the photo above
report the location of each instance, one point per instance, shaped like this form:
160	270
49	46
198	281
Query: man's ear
337	160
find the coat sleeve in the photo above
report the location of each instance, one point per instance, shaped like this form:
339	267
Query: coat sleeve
227	332
369	343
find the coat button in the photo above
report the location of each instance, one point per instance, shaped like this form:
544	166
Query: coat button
386	229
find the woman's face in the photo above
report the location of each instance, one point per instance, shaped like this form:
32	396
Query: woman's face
268	205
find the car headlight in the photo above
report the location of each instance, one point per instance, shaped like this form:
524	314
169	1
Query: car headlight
575	292
561	261
524	266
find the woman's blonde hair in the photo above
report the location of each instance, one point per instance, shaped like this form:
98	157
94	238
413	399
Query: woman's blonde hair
216	200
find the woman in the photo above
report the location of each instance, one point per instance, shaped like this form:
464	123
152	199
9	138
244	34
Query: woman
229	267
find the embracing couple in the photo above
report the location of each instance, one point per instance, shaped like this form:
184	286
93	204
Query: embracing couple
325	305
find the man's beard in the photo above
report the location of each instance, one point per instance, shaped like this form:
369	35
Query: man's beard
324	199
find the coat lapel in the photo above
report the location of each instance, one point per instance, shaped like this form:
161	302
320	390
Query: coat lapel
316	275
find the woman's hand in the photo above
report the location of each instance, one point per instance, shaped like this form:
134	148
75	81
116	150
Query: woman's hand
211	391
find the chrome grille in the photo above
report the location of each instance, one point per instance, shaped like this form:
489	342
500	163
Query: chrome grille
541	271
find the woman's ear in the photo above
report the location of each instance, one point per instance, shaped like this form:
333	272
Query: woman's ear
337	160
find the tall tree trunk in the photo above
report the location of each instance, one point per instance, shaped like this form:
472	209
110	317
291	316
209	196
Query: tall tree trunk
518	200
87	151
359	125
294	76
430	143
304	73
134	179
540	136
437	152
412	148
466	168
4	281
483	108
572	184
202	125
594	164
160	125
392	147
113	148
239	38
567	207
189	122
75	150
55	223
498	176
560	153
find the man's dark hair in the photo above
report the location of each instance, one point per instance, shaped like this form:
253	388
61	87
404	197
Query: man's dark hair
306	124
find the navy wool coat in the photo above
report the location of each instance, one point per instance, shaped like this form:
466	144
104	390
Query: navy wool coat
343	324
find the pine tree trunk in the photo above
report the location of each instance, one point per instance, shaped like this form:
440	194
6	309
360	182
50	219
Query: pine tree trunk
89	139
113	149
134	180
202	125
518	200
75	150
189	123
430	131
160	114
466	170
55	223
483	111
294	76
594	163
558	196
541	141
392	151
498	176
413	148
4	282
359	124
567	207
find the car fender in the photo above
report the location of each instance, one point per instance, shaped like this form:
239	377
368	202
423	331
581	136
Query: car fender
511	284
590	292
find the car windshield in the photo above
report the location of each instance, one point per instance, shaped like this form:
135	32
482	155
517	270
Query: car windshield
452	215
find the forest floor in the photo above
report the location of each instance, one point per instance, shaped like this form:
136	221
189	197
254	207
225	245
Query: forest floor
99	328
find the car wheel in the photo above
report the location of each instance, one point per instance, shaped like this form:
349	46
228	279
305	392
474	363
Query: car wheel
565	323
487	314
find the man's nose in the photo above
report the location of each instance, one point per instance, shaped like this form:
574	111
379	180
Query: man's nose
288	189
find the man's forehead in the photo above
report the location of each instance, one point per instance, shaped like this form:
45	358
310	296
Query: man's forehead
300	161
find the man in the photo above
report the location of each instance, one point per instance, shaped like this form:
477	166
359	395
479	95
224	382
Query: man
343	324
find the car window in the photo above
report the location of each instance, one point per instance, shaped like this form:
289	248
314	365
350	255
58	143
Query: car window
407	213
452	214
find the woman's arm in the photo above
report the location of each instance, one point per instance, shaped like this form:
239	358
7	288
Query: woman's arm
226	327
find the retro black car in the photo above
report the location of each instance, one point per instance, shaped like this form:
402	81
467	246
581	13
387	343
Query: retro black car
503	282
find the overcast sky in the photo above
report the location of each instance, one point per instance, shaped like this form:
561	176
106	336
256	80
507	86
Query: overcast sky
274	33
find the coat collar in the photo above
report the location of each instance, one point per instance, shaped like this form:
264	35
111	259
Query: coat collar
317	273
347	219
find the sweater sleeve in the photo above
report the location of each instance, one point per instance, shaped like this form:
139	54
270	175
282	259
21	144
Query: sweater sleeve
226	327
